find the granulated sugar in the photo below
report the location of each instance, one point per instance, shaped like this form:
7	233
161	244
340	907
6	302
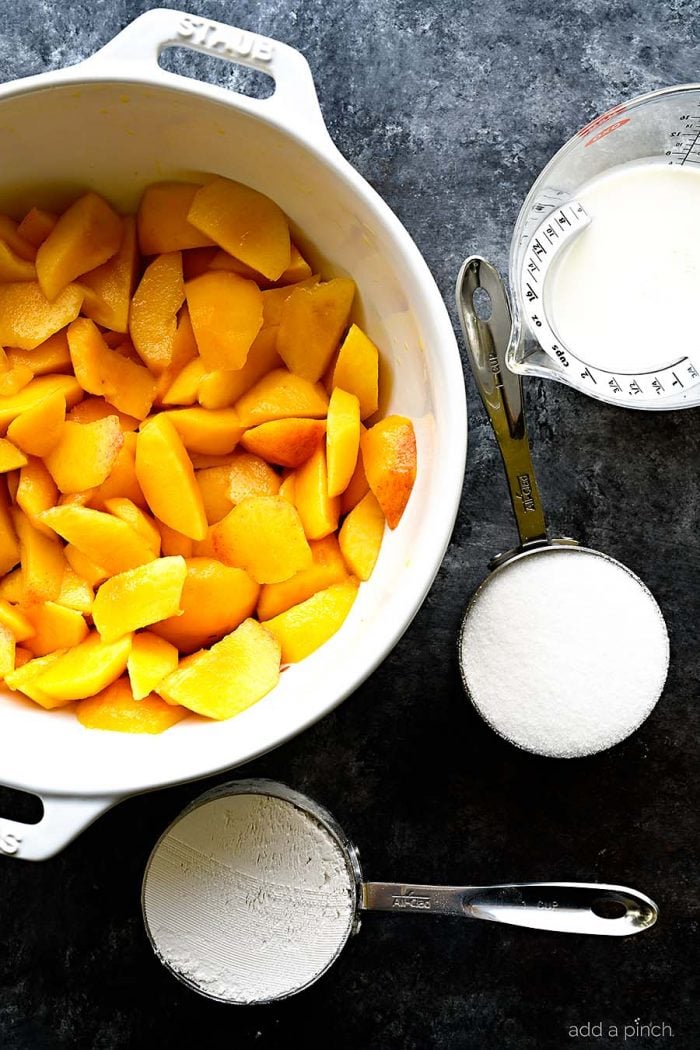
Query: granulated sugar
564	652
248	898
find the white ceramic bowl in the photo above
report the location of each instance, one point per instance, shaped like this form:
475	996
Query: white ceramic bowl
117	122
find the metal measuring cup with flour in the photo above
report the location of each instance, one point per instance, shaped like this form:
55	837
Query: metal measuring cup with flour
563	650
253	891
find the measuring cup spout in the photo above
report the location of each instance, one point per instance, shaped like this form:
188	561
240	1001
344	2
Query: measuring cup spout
500	390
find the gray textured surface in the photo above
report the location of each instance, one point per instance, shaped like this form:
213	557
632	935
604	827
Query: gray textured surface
450	110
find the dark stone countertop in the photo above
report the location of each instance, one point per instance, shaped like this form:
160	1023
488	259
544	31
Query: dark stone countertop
450	109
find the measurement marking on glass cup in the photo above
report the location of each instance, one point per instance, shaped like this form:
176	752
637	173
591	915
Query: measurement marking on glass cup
552	235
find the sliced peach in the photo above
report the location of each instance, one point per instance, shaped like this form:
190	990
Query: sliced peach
85	453
11	457
13	267
36	391
84	568
234	674
42	560
221	388
14	379
85	236
184	351
328	567
361	535
342	440
92	408
264	536
288	442
358	486
16	621
279	395
245	223
116	709
9	232
389	457
37	430
108	542
173	542
55	627
298	269
167	479
318	511
25	678
150	660
76	593
212	432
162	219
122	480
100	370
36	225
303	628
8	647
12	584
312	324
225	486
185	386
140	522
108	288
36	492
85	669
215	599
226	314
357	370
50	356
275	298
154	307
139	597
196	261
28	318
287	488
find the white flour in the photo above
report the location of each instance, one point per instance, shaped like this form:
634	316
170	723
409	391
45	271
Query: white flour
564	653
248	898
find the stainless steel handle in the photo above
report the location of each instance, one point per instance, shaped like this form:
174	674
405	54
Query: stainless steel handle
501	391
563	907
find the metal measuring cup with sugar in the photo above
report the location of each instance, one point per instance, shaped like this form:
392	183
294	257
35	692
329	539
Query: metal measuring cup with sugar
527	581
216	966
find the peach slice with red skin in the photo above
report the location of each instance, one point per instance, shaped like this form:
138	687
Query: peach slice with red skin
389	458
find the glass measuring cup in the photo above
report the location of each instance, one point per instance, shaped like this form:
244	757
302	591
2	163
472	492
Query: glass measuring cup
663	124
545	720
568	907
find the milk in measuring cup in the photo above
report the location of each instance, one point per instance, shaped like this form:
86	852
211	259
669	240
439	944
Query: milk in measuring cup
622	295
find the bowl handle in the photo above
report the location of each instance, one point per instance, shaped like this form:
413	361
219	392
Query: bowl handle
137	48
64	818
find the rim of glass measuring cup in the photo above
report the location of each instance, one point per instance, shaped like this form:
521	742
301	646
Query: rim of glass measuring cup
273	789
520	232
502	562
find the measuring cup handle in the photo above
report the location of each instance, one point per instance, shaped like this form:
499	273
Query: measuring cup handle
500	390
563	907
